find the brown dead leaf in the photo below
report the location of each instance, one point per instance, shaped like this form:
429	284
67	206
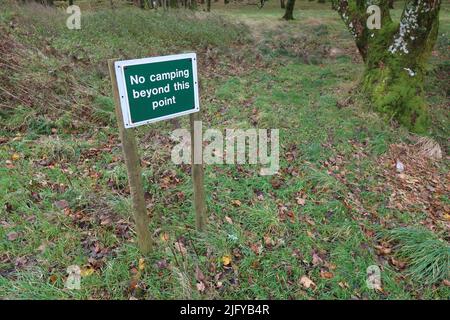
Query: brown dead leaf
228	219
316	260
383	251
161	264
398	263
307	282
164	237
201	287
12	236
199	274
180	247
53	278
326	274
236	203
256	248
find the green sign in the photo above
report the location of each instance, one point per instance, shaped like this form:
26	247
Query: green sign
159	88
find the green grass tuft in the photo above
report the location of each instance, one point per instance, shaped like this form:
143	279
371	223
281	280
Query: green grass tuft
427	255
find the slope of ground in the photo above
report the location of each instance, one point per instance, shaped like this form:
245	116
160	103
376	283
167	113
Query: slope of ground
309	232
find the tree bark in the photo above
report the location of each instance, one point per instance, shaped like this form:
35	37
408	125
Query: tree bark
395	56
289	13
208	5
139	3
282	4
44	2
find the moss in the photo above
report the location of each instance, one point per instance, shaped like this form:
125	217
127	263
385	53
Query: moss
398	95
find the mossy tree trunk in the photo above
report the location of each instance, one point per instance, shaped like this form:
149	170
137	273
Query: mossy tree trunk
289	13
395	55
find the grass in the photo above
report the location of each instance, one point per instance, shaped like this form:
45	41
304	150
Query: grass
63	146
428	255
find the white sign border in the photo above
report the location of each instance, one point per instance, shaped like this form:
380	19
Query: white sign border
121	84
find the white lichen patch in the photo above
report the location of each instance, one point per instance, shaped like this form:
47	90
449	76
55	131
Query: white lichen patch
410	72
408	23
349	23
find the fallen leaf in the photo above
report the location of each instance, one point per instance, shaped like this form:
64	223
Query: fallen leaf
53	279
268	241
383	250
199	274
301	201
226	260
87	271
236	203
398	263
228	219
15	157
326	274
316	260
164	236
141	265
180	247
12	236
161	264
9	164
257	248
201	287
307	282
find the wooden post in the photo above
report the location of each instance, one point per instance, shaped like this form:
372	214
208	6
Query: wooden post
133	164
197	172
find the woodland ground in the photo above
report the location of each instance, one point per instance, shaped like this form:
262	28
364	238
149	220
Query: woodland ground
64	198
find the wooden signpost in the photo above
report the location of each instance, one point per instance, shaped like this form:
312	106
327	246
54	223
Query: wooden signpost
150	90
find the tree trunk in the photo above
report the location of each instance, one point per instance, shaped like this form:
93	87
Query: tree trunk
208	5
395	56
139	3
282	4
391	4
289	13
44	2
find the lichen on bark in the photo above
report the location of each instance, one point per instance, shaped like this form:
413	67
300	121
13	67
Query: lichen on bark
395	55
